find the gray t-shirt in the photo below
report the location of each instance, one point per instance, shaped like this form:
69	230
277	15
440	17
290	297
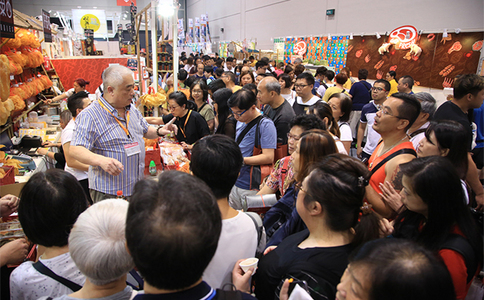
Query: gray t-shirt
125	294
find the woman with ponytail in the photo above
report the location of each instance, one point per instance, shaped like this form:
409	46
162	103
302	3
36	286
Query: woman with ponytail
324	112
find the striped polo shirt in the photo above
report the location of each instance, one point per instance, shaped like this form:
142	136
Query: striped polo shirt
98	131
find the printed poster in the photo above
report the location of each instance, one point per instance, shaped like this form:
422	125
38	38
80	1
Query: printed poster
190	37
197	30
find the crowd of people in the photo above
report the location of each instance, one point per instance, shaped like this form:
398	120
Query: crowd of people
375	187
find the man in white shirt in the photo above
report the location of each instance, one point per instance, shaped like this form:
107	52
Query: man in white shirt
76	103
217	160
305	98
417	131
230	65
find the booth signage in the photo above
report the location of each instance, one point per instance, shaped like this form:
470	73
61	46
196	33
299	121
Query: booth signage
46	25
403	37
6	19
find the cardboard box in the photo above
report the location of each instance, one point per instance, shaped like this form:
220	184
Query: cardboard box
13	189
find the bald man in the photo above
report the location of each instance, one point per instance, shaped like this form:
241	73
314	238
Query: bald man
276	107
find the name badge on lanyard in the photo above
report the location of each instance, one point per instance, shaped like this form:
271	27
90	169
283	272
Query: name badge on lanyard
132	149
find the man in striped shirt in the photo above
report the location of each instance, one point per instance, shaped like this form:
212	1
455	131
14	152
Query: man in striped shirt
109	137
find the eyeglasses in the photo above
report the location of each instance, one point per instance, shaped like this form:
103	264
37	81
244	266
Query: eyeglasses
385	112
295	137
378	89
298	187
238	114
300	86
197	91
173	107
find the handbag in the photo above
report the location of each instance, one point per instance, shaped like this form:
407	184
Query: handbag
280	152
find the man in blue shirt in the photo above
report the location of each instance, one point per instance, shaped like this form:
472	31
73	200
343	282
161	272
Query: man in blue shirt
243	106
109	137
361	95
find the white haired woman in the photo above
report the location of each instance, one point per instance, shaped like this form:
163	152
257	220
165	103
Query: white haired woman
97	246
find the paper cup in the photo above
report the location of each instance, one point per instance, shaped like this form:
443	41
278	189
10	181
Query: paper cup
249	263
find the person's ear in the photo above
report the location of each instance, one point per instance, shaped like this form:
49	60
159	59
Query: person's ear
444	152
403	123
315	208
109	90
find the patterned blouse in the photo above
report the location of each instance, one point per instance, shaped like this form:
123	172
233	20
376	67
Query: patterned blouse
274	181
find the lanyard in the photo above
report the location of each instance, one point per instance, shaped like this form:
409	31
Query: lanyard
119	122
185	126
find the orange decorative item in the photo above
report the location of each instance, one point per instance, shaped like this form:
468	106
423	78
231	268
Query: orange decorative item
4	77
477	46
378	65
447	70
457	46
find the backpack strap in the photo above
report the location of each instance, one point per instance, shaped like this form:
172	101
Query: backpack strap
41	268
418	131
257	132
256	219
389	157
228	295
247	128
461	245
203	105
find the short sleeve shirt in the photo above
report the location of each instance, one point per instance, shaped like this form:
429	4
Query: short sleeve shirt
450	111
368	113
268	140
281	116
98	130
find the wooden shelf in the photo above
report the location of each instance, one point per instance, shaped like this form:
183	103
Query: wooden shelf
164	71
165	42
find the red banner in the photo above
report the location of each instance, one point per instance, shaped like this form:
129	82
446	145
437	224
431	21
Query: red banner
126	2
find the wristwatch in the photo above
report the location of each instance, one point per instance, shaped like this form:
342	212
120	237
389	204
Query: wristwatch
158	130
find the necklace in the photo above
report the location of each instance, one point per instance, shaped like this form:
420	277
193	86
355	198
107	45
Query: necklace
393	146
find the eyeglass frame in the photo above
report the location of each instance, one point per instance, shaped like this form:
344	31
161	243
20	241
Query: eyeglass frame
379	89
238	114
301	86
298	186
289	136
386	113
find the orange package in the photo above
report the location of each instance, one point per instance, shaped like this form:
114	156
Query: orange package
4	77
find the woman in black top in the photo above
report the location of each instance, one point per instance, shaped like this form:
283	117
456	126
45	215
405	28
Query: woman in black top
226	120
328	202
191	125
